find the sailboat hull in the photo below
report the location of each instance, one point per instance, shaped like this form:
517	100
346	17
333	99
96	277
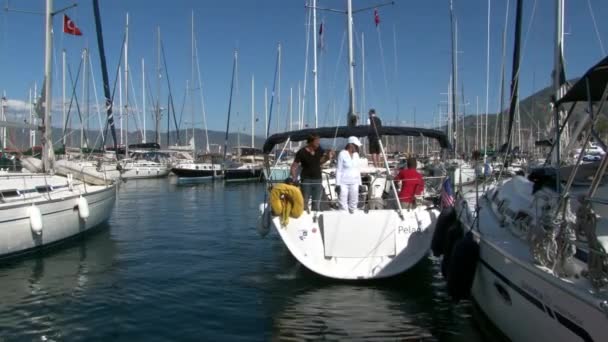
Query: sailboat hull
527	302
527	305
358	246
243	175
60	220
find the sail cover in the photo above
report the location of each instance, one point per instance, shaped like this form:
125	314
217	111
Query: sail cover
597	78
358	131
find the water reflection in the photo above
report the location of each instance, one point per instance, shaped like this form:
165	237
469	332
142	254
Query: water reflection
34	287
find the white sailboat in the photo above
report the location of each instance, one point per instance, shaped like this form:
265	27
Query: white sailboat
38	210
541	268
383	239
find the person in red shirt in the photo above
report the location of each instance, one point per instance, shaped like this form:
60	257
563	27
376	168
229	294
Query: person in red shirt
412	183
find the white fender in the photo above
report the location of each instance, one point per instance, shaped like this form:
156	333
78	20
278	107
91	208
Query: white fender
263	220
83	208
35	219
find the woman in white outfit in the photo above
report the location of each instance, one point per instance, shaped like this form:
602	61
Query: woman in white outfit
348	176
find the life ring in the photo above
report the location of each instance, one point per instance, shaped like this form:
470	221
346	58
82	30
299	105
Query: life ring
463	263
286	201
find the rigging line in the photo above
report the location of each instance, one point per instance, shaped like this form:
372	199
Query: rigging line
116	77
135	101
383	62
597	32
96	102
181	112
74	85
200	88
332	87
162	48
77	105
308	26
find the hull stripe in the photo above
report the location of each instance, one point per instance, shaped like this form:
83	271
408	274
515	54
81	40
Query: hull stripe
576	329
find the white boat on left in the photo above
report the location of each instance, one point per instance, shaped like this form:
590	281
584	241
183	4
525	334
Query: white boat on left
38	210
42	209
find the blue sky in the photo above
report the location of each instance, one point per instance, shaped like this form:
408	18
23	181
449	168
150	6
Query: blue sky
421	30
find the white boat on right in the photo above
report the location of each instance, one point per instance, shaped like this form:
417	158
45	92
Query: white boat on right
535	259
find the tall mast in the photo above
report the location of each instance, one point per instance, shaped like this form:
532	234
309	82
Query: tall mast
200	89
31	119
362	77
158	76
500	122
454	80
63	107
513	107
121	108
314	65
127	87
485	139
192	78
84	83
47	151
557	77
104	73
279	88
230	104
143	97
290	112
252	112
266	110
351	118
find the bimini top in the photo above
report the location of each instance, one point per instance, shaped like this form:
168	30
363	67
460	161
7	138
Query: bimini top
597	78
358	131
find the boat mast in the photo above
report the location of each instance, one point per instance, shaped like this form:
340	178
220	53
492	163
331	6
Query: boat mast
314	65
200	89
500	121
252	112
127	87
454	62
513	107
192	78
158	76
351	117
47	151
143	97
84	83
266	110
362	77
31	120
230	105
104	71
557	78
485	138
121	108
63	107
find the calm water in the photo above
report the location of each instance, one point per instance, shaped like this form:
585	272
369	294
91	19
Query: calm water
185	262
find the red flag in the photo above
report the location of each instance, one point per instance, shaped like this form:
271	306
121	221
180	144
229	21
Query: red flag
376	17
69	27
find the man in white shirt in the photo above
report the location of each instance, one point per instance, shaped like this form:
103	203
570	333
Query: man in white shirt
348	176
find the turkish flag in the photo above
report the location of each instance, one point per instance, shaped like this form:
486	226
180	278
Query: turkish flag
376	17
69	27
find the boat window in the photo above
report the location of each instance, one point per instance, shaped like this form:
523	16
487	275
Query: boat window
44	188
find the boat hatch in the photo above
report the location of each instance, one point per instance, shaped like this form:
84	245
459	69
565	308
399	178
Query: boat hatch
44	188
9	193
359	235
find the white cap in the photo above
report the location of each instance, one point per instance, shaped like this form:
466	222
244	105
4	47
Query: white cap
354	140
